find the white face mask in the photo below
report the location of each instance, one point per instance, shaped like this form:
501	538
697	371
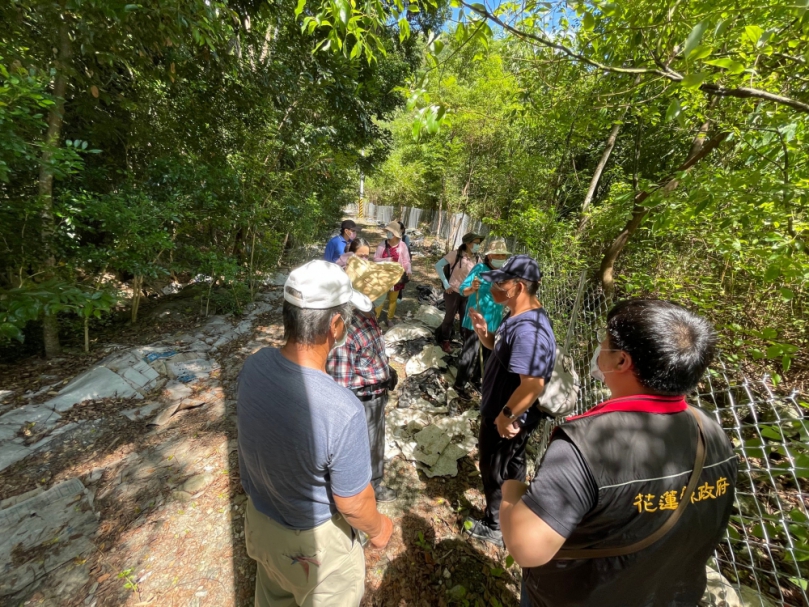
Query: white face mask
595	372
497	263
339	343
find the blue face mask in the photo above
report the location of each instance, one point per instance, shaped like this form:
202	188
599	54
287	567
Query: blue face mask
475	248
388	235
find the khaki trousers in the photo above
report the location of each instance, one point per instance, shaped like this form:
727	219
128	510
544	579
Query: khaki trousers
319	567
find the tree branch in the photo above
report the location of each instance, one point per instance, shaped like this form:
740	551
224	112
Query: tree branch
709	88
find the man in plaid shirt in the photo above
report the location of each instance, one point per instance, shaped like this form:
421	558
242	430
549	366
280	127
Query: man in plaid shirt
361	365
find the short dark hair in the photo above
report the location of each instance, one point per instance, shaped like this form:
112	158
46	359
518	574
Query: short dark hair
531	286
357	243
306	326
670	346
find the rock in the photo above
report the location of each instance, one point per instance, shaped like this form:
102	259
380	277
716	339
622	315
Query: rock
175	391
141	413
98	382
430	357
406	332
4	394
278	280
197	483
752	598
191	370
166	414
182	496
431	442
11	453
95	475
44	532
430	316
719	592
447	464
16	499
447	574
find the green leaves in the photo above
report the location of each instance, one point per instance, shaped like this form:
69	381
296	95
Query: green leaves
588	22
692	81
673	110
752	34
694	38
731	65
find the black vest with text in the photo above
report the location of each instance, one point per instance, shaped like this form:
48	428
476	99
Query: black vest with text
641	452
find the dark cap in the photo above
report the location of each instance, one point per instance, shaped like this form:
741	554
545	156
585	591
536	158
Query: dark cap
471	236
347	225
519	266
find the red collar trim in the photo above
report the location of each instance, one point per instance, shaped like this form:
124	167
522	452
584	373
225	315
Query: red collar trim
646	403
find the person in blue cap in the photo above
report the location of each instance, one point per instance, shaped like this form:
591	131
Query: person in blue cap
523	354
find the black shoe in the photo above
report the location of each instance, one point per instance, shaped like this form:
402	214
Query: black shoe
384	494
481	531
464	393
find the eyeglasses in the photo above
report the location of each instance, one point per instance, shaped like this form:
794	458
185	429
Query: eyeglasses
496	287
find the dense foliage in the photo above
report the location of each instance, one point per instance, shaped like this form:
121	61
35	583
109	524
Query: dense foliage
698	114
154	141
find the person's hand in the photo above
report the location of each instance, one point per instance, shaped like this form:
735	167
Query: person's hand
478	322
506	428
381	540
475	284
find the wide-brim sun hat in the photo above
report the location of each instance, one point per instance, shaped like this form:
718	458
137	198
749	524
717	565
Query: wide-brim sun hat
373	279
320	285
497	246
394	228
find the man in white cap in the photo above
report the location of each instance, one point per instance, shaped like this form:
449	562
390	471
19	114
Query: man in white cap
304	456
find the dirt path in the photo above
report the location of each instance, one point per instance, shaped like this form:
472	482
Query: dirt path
166	507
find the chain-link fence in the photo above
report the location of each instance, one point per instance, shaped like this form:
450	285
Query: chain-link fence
764	558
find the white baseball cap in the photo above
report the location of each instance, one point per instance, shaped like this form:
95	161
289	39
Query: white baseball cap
323	285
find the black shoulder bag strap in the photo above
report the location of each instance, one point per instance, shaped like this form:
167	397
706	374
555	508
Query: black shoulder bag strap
449	270
597	553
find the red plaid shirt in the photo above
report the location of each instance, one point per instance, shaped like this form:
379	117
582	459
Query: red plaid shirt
361	363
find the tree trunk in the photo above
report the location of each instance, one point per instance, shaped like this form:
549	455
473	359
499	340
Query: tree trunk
588	198
50	325
137	288
699	150
283	249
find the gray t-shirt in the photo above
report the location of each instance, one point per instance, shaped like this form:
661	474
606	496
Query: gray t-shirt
302	438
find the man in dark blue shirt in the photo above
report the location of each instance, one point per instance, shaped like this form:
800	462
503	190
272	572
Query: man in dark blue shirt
523	355
337	245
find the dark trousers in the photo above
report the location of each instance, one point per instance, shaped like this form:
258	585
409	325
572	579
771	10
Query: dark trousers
375	417
500	460
469	363
454	303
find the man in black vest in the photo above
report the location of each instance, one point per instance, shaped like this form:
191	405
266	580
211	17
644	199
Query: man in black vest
612	477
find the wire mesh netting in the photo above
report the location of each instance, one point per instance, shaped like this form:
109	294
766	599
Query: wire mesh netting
764	557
